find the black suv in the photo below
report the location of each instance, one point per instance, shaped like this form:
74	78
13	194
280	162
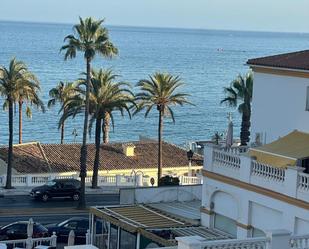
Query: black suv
57	188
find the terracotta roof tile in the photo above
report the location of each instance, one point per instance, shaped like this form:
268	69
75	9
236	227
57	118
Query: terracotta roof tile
295	60
65	157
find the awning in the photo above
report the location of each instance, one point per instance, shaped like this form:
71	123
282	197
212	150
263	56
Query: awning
284	151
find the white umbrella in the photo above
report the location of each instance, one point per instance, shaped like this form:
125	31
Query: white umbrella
229	134
71	238
30	228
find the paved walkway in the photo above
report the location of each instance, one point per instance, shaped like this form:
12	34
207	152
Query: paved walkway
26	191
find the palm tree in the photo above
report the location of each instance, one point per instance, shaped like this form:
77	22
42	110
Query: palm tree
90	38
160	91
106	96
60	94
28	93
11	79
240	90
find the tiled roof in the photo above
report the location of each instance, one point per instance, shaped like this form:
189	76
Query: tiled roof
37	158
295	60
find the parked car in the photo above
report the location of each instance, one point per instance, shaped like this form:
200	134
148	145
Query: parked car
18	230
57	188
78	224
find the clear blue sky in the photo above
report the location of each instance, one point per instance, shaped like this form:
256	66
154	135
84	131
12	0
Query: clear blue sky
271	15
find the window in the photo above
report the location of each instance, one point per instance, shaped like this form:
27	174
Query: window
71	225
127	240
225	224
113	237
307	99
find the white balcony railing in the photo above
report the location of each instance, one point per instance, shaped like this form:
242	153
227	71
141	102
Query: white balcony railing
289	180
252	243
226	159
190	180
268	172
300	242
303	181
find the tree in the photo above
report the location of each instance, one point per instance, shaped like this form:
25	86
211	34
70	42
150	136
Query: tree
240	90
61	93
106	96
90	38
28	90
160	91
11	80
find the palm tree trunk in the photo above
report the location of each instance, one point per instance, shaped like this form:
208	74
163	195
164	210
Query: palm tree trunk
62	132
83	150
106	128
160	131
8	184
245	127
20	104
97	153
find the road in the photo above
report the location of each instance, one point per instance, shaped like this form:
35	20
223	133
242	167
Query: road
16	208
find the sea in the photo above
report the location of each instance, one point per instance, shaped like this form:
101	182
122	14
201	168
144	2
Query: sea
206	60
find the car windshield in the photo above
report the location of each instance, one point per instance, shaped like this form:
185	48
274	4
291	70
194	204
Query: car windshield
50	183
62	223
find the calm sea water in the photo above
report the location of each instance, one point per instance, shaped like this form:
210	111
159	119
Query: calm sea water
206	60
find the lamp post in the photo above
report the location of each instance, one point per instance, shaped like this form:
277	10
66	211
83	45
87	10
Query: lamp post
190	154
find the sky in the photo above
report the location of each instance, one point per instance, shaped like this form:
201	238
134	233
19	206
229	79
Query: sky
255	15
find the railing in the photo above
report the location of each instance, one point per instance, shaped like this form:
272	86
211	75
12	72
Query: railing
303	181
268	172
190	180
32	242
236	149
252	243
299	242
226	159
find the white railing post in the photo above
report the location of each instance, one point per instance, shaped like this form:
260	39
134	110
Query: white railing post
88	237
53	241
28	180
291	180
208	157
118	180
190	242
245	168
279	239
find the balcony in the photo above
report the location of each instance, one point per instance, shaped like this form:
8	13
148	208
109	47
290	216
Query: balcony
236	164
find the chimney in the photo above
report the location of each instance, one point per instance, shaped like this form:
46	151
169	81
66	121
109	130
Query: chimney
128	149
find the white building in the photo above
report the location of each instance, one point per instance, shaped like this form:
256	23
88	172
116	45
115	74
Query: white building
263	189
280	95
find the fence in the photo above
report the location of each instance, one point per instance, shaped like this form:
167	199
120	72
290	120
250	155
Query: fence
103	180
31	242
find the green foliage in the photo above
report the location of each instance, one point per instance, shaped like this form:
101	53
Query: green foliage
168	181
90	38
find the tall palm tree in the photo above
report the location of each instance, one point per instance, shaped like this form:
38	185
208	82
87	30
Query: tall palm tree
240	90
90	38
160	91
60	94
28	90
11	79
106	96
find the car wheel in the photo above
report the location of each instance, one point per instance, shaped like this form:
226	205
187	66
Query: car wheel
75	197
45	197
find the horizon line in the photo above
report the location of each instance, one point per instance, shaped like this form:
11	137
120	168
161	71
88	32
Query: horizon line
160	27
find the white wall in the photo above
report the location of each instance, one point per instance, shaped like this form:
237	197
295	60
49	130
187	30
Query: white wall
278	105
161	194
254	209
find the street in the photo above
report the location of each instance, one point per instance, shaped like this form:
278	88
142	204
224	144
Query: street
16	208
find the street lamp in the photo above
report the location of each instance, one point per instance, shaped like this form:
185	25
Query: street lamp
190	154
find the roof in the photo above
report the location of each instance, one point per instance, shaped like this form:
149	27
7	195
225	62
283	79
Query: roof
42	158
189	211
296	60
158	226
284	151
